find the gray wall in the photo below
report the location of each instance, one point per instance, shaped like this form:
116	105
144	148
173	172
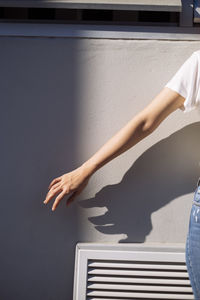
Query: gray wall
61	100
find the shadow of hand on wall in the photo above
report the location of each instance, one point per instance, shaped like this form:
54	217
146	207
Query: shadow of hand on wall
167	170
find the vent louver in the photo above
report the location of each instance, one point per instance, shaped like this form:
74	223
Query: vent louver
123	272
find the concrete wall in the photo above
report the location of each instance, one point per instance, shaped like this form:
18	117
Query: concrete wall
61	100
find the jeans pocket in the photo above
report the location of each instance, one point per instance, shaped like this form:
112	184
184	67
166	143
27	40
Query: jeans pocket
195	217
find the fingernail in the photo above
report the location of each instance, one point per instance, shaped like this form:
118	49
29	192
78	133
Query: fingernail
53	208
44	202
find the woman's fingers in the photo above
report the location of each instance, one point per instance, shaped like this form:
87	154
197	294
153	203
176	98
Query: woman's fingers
58	199
51	194
54	181
73	182
55	186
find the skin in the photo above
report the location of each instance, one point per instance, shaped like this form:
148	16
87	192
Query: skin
140	126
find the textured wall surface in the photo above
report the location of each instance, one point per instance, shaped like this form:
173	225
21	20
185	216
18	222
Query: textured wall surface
61	100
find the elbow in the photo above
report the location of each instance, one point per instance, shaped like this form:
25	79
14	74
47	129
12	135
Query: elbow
148	126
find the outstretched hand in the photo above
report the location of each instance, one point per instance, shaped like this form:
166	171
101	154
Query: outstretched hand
74	182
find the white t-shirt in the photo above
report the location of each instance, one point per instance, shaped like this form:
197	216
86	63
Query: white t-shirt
186	82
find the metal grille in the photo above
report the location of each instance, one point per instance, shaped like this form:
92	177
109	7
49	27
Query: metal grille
138	279
128	273
110	12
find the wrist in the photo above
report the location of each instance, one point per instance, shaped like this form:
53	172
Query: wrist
89	167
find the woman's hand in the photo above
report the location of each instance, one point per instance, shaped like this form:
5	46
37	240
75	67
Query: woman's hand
74	181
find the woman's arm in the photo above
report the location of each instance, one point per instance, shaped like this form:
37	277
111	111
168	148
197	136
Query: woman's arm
140	126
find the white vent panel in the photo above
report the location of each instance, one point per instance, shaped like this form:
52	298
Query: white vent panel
121	272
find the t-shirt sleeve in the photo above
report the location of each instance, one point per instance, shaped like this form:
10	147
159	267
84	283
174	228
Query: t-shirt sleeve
186	82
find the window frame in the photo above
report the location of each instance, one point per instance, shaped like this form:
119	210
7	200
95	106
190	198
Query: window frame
186	29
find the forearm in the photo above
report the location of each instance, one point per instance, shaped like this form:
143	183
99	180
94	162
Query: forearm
133	132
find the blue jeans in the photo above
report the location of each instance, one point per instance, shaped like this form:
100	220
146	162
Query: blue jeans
193	244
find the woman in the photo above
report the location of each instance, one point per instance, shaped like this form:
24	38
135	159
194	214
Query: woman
181	92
